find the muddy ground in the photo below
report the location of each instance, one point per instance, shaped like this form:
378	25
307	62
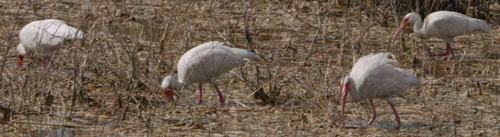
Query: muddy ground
108	84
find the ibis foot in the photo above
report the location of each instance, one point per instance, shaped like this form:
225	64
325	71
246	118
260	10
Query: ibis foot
397	128
200	101
440	54
449	52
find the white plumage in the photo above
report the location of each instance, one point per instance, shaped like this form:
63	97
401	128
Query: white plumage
44	37
204	63
374	76
445	25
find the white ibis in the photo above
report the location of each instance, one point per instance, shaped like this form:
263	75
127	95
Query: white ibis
44	37
204	63
442	24
374	76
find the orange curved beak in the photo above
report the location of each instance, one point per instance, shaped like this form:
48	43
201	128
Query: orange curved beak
345	91
403	25
20	60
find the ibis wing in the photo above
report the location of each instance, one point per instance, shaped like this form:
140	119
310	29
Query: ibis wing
218	61
385	81
367	64
446	24
64	31
203	64
50	32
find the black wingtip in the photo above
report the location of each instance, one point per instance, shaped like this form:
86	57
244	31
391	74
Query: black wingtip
253	51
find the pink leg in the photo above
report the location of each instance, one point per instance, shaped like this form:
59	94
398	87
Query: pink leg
395	114
374	113
200	95
45	60
221	97
52	65
449	51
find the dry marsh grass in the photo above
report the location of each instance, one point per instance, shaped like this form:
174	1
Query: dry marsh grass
108	83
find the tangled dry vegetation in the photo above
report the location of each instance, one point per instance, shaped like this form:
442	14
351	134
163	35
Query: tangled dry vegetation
108	83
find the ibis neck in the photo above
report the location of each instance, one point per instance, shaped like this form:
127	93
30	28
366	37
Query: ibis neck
20	49
352	87
179	85
418	27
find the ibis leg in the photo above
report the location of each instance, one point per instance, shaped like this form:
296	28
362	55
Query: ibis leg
374	113
221	97
45	60
395	113
200	94
449	51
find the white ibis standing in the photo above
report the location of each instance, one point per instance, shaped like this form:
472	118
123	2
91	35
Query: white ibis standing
442	24
374	76
204	63
44	37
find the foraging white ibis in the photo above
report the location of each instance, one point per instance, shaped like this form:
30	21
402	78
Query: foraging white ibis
204	63
442	24
44	37
374	76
